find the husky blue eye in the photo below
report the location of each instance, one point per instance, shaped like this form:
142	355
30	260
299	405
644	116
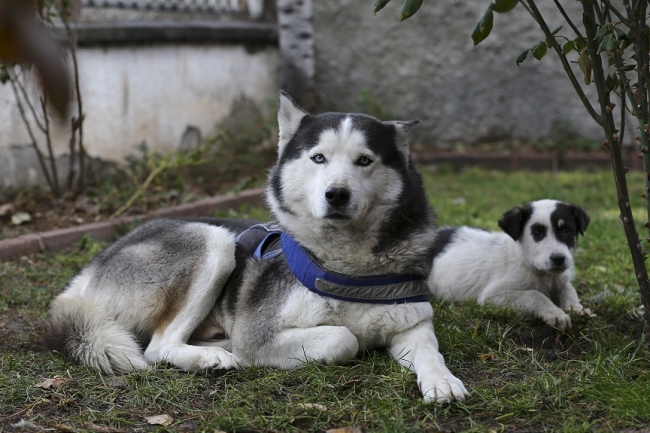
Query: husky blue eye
364	161
318	158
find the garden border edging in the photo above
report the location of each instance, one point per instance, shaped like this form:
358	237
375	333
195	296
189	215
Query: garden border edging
55	240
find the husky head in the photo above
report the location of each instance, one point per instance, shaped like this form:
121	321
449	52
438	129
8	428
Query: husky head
547	232
346	176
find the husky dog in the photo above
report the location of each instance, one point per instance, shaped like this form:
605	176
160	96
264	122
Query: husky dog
342	269
529	267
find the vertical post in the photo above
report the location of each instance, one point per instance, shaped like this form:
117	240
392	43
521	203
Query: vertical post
295	27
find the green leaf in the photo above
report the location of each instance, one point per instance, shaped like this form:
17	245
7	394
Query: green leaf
607	44
522	57
484	27
602	31
585	66
539	50
503	6
379	5
4	75
410	8
611	81
568	47
579	44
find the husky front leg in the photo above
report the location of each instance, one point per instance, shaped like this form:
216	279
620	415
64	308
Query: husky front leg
170	339
292	347
417	349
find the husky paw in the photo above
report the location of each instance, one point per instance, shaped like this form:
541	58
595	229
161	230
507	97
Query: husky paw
557	319
216	358
445	390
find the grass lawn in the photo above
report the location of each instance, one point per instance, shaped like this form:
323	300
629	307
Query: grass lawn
524	376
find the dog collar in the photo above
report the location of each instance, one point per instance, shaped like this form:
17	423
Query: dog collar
374	289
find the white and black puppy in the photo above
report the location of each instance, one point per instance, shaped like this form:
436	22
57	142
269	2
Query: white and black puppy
529	267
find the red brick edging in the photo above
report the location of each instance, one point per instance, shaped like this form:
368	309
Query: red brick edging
106	230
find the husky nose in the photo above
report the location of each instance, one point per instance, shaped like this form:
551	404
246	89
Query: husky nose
558	259
337	196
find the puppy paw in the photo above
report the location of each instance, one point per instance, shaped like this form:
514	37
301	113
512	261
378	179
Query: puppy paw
445	390
580	310
557	319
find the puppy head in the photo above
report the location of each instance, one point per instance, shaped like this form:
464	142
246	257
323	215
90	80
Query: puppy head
547	232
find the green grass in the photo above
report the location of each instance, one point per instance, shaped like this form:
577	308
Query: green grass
524	376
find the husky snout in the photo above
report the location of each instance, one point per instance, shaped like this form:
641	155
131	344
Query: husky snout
337	196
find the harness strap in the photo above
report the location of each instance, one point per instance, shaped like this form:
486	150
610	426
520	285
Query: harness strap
266	242
376	289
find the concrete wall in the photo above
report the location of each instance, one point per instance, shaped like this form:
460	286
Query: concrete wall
146	93
427	67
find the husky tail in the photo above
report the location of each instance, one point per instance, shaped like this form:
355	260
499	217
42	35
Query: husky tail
84	333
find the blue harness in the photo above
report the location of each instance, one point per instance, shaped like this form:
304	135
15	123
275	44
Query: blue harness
267	242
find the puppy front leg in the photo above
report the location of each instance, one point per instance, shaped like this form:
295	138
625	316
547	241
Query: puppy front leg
569	300
417	349
528	301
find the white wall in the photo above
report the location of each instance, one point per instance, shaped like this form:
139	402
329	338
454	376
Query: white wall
145	93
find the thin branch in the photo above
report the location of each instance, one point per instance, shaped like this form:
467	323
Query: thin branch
48	141
568	20
619	15
27	100
621	133
565	63
23	115
80	116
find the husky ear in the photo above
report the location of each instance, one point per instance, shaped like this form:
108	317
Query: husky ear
402	127
289	116
513	221
581	217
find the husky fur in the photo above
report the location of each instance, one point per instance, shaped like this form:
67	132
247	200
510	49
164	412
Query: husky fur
345	189
529	267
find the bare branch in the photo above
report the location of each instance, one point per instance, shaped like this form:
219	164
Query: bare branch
620	16
23	115
568	20
23	91
48	140
565	63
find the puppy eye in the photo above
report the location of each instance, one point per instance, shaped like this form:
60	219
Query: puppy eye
319	158
364	161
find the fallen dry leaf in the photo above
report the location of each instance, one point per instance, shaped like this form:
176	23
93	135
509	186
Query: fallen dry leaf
27	426
55	382
20	217
163	419
311	407
6	209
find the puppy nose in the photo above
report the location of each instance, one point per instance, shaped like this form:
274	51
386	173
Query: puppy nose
337	196
558	259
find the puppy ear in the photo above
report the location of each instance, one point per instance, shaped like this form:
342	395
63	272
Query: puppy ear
581	217
513	221
402	127
289	116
